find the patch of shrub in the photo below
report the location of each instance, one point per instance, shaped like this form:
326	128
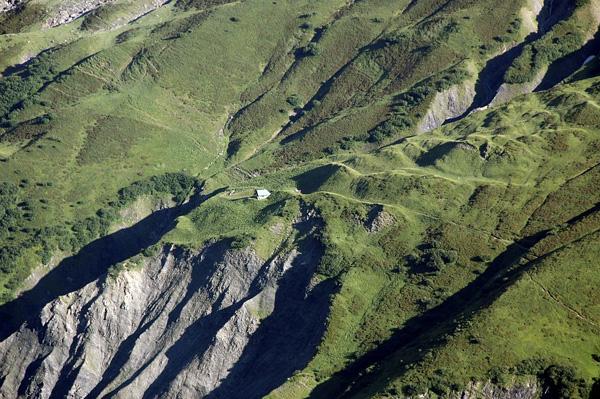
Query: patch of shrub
151	250
21	84
47	239
242	241
497	376
311	50
530	367
431	259
332	263
558	381
294	100
11	217
414	389
389	128
562	40
561	382
179	185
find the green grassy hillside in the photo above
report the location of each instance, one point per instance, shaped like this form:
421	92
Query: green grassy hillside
461	227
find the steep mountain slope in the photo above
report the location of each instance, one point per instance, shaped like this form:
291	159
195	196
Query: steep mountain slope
434	221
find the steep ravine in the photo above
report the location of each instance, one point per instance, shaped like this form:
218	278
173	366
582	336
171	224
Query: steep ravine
490	88
566	66
184	323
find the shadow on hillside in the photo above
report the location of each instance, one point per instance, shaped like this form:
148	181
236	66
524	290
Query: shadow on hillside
437	153
310	181
91	263
21	69
564	67
287	339
422	333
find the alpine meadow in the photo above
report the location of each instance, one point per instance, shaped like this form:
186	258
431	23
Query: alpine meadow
291	199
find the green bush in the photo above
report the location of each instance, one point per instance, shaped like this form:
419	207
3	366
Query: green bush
242	241
294	100
311	50
151	250
414	389
332	264
432	259
178	185
11	217
23	84
497	376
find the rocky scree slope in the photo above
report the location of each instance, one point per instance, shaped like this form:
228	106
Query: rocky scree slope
185	323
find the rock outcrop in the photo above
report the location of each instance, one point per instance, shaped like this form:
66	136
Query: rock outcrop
488	390
528	390
448	104
73	9
70	10
378	219
214	322
508	91
7	5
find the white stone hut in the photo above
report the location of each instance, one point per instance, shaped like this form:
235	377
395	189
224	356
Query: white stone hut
262	194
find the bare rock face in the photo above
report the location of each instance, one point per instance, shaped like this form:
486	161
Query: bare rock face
70	10
73	9
7	5
448	104
529	390
488	390
508	91
216	323
530	14
378	219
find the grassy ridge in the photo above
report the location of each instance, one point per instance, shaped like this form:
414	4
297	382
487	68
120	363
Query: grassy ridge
457	204
488	206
